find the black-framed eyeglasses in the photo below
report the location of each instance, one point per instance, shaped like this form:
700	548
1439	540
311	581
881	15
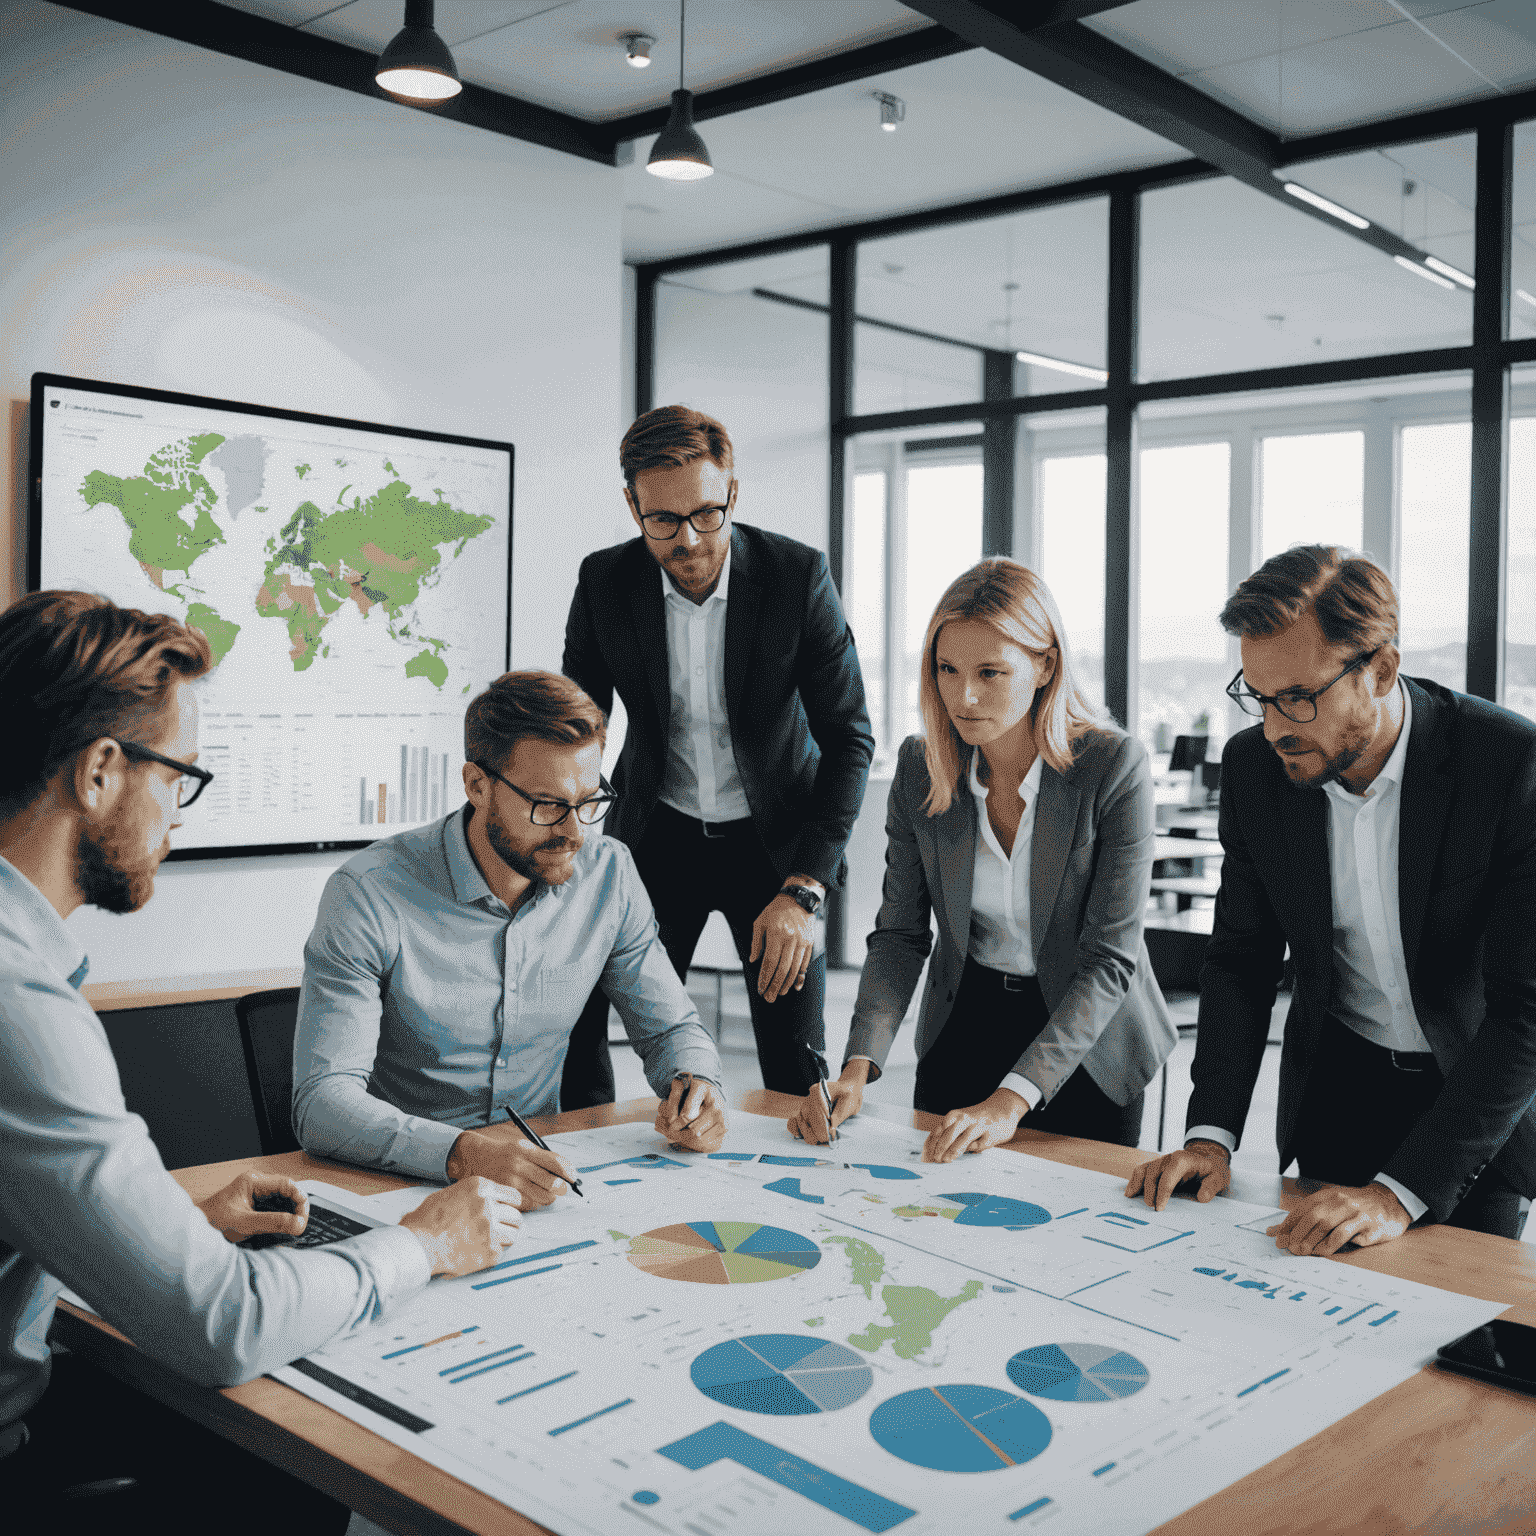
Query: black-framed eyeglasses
1296	704
664	525
550	813
188	771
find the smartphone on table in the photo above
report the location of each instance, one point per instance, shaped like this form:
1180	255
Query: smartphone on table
1502	1352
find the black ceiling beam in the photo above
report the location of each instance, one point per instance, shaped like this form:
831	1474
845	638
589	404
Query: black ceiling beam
240	35
902	52
1437	123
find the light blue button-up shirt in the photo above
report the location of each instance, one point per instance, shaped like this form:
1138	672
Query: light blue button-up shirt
86	1202
428	1005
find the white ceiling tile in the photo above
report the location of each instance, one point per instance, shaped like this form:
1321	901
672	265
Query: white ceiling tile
976	125
1182	36
292	13
570	58
1382	73
369	24
1498	38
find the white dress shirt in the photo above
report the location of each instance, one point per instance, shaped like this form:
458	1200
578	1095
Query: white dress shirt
1371	991
1000	938
699	777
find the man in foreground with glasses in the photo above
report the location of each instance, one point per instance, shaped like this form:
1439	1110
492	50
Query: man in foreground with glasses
98	768
748	743
1384	828
448	965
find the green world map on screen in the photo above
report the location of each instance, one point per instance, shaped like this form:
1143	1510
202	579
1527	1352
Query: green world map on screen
378	552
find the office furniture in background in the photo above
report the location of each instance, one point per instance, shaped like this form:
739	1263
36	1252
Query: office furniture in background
267	1021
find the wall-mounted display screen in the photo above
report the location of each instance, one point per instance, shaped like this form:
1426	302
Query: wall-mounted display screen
354	583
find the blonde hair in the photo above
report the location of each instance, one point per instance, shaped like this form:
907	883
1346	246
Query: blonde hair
1010	599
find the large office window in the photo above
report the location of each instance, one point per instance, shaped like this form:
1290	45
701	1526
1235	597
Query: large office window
746	342
1522	263
1520	594
1025	291
1312	489
1234	280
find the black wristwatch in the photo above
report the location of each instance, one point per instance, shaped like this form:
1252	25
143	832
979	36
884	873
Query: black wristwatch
808	900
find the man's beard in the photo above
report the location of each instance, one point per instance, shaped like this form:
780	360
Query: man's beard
1334	768
524	863
105	872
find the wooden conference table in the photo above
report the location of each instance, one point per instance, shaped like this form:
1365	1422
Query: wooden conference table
1439	1452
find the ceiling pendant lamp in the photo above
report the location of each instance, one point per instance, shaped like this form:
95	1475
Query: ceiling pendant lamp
679	153
417	66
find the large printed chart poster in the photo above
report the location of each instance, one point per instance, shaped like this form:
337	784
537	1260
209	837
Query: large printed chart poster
352	583
766	1341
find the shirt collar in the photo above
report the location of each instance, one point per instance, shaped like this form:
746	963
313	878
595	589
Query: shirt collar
1027	789
31	917
722	587
1392	770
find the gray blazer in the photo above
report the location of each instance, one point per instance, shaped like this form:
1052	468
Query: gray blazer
1090	874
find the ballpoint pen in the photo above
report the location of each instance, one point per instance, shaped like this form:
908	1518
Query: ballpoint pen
536	1139
826	1096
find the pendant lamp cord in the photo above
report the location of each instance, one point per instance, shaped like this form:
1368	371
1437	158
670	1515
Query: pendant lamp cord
682	42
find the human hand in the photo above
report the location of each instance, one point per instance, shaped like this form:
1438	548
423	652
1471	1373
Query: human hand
809	1121
233	1211
692	1115
504	1154
1322	1222
784	936
465	1227
983	1125
1157	1178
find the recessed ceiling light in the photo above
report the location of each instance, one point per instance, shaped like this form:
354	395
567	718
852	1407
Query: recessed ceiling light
1078	370
417	66
1334	210
1445	269
637	48
1424	272
893	110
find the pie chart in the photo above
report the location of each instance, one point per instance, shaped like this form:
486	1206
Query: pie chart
723	1252
782	1373
960	1428
1077	1373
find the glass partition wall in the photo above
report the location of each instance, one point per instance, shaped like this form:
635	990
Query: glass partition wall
1142	387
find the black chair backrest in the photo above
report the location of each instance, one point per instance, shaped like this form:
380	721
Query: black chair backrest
1188	753
267	1021
181	1070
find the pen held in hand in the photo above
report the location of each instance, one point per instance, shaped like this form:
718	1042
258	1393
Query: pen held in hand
537	1140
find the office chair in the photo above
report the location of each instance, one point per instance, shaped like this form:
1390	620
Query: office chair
267	1021
1188	753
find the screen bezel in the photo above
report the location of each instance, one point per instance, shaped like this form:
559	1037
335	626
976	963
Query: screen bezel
42	382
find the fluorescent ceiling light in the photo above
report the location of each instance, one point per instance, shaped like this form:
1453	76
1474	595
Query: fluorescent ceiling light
1445	269
1424	272
1308	196
1530	299
1079	370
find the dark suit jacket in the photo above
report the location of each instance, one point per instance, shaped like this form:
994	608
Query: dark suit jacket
1467	898
794	694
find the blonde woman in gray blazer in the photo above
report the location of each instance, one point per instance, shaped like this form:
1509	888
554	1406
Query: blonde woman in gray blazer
1023	822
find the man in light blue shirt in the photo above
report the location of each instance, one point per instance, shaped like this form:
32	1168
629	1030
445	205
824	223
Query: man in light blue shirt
448	964
97	770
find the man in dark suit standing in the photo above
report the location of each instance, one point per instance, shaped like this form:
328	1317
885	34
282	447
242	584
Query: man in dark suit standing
748	743
1383	827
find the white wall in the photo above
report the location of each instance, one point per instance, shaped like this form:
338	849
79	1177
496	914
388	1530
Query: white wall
174	218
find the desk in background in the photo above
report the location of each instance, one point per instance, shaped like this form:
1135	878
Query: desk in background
1435	1452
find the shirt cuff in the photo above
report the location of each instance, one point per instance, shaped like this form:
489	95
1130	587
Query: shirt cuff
878	1072
397	1262
1411	1202
422	1148
1222	1138
1025	1089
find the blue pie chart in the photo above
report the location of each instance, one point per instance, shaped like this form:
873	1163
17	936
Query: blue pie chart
960	1428
781	1373
1077	1373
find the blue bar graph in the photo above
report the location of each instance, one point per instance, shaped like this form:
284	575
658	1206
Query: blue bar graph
587	1419
1029	1509
548	1253
510	1360
1332	1310
410	1349
1109	1466
1353	1315
1386	1317
1255	1387
553	1381
485	1285
464	1365
724	1442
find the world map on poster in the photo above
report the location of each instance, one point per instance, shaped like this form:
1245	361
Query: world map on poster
384	550
352	586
